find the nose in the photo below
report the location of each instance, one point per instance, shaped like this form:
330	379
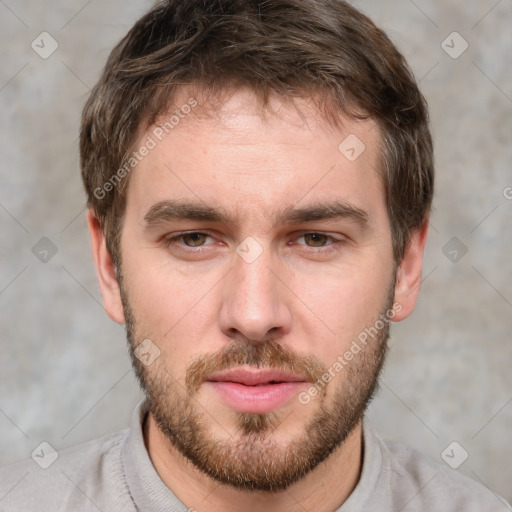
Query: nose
254	304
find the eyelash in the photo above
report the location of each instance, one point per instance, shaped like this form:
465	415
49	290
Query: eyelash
325	248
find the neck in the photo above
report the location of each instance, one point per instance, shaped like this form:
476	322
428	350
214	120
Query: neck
322	490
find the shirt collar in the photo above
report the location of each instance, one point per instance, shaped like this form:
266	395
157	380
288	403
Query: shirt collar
148	491
150	494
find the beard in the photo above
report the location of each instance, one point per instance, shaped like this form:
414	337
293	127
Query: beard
252	459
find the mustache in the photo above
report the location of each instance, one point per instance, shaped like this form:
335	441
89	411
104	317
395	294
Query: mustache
271	354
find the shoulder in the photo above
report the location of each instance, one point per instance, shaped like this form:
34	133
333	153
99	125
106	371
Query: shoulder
424	484
80	476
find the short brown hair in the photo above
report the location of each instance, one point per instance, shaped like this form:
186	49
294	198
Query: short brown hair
308	48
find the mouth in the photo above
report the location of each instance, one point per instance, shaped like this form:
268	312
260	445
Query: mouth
255	390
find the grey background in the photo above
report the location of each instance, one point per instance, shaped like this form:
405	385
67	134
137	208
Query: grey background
64	369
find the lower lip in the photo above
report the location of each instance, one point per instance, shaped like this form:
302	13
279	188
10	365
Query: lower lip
256	399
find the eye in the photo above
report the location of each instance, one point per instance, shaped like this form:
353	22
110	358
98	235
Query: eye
194	241
191	239
318	240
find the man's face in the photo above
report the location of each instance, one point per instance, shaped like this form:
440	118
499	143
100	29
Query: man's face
257	288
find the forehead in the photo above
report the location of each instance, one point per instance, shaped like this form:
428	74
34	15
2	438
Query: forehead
253	159
241	113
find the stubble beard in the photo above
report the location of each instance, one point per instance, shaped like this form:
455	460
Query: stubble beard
251	459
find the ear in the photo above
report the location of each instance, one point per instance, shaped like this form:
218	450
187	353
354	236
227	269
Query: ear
408	280
105	270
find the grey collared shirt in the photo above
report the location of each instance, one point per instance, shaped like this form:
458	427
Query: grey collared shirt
115	474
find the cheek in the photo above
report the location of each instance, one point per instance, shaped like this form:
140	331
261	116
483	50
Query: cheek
173	311
337	308
154	305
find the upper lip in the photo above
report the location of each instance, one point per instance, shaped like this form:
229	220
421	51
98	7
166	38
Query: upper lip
252	377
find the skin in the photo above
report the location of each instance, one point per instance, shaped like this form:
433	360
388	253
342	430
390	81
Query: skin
314	303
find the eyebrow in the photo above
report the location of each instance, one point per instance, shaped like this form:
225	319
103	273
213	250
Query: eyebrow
173	210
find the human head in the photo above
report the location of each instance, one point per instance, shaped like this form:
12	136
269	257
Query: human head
251	169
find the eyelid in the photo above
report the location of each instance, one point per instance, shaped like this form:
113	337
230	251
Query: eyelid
304	233
335	245
174	237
